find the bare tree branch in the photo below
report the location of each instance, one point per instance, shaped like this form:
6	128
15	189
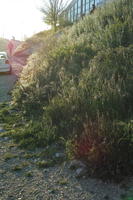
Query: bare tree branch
52	10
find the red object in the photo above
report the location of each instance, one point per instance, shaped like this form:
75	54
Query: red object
10	47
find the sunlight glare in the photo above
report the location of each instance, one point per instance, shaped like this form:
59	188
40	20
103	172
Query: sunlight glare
20	18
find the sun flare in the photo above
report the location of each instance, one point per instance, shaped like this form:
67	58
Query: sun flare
20	18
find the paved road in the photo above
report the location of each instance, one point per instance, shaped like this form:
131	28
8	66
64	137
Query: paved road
7	81
6	84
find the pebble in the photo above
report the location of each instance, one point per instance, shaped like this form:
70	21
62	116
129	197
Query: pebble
59	155
80	172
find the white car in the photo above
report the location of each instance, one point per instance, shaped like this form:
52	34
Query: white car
4	63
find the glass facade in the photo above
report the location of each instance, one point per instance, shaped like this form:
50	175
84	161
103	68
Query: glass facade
79	8
83	6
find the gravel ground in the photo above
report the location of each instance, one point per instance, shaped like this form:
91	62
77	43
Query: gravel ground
6	84
28	182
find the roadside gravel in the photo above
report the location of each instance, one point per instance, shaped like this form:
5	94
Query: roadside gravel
28	182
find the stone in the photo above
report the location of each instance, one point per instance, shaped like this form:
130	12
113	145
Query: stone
59	155
75	164
80	172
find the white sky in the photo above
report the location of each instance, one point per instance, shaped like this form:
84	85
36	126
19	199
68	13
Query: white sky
20	18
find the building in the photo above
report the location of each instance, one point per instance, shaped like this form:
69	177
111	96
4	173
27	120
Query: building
79	8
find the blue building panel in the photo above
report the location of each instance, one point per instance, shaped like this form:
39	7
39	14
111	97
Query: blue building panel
78	8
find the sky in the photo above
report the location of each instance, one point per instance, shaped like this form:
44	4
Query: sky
21	18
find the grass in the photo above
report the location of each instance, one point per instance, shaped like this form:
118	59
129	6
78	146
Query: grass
8	119
12	145
17	168
30	155
63	181
9	156
20	166
80	89
127	198
45	164
29	174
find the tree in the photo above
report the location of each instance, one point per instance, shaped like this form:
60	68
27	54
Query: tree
52	11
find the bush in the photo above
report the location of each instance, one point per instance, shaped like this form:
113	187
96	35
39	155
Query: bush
108	83
106	147
79	87
36	133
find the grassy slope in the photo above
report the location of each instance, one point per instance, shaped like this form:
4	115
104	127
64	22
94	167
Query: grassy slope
32	44
78	89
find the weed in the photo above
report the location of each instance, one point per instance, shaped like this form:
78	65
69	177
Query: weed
29	174
20	166
63	181
9	156
45	163
80	89
30	155
17	168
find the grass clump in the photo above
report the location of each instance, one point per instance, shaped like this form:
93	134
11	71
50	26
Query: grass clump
30	155
45	163
20	166
34	134
63	181
80	89
29	174
17	168
9	156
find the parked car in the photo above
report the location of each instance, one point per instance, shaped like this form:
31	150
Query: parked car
4	63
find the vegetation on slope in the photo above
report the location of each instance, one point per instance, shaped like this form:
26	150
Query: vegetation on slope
78	89
32	44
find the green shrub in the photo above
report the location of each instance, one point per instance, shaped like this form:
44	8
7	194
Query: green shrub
106	147
108	83
79	87
45	163
35	133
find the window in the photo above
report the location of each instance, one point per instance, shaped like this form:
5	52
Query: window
83	8
79	3
97	2
69	15
80	7
72	14
91	3
79	10
75	8
87	7
87	1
